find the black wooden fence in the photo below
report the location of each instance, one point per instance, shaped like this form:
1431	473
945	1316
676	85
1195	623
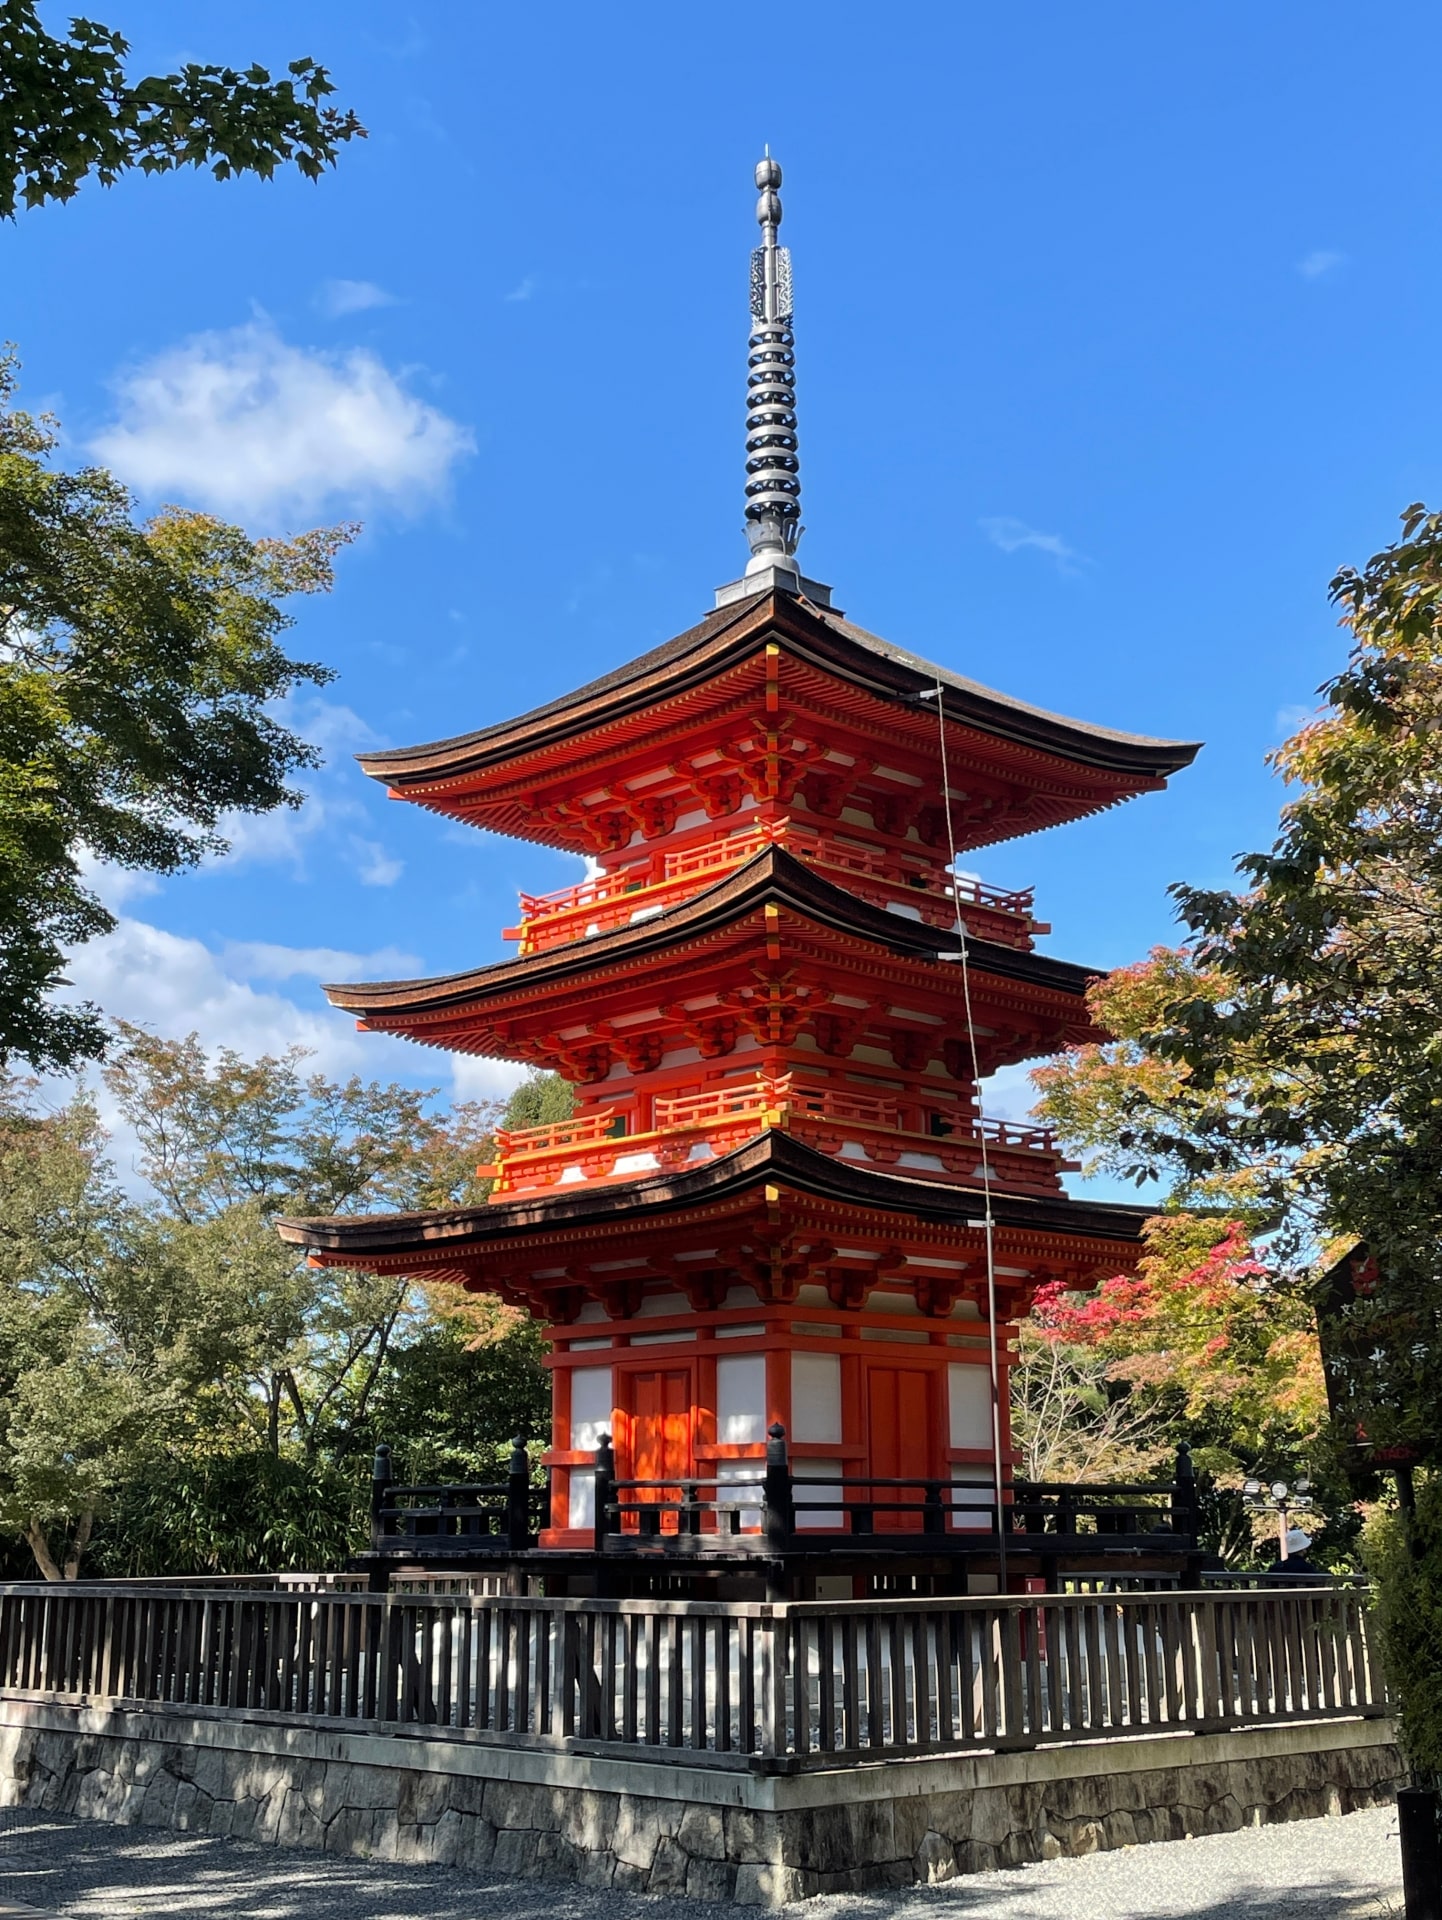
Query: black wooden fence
773	1686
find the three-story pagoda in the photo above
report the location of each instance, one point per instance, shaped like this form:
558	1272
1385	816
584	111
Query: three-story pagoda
778	1206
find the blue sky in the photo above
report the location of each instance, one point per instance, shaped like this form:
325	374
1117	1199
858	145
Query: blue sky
1114	335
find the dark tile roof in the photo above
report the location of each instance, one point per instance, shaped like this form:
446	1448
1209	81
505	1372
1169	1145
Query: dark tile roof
771	875
772	1156
889	670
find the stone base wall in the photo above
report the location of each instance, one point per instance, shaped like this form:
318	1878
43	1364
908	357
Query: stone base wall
643	1826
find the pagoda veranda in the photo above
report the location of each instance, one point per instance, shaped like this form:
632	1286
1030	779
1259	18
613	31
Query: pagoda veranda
778	1216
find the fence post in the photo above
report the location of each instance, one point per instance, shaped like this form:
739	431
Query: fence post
605	1479
518	1497
382	1476
773	1626
1417	1830
777	1491
933	1517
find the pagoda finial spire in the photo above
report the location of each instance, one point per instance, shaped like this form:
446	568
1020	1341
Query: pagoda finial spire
773	489
773	485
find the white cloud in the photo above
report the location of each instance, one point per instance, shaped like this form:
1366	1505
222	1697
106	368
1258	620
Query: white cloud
1014	535
331	811
253	427
339	297
1313	265
175	985
473	1078
375	867
265	960
1008	1094
524	289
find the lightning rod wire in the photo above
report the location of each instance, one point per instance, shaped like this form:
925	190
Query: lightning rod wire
988	1218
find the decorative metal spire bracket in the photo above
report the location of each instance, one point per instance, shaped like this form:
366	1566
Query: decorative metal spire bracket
773	485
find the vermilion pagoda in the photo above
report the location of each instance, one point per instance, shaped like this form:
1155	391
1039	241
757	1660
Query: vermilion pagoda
778	1205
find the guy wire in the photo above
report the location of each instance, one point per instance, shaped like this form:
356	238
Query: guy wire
988	1221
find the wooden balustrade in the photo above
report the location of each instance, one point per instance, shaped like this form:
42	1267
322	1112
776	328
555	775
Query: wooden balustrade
727	1100
784	1512
429	1523
606	901
718	1109
765	1686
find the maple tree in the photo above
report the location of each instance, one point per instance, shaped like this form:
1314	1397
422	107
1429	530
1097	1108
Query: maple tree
69	109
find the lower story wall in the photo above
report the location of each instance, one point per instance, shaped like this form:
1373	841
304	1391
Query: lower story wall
709	1833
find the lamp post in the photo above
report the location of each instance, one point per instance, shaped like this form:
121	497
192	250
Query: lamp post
1280	1499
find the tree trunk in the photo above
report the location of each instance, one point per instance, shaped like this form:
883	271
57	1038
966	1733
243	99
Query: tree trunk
78	1545
40	1547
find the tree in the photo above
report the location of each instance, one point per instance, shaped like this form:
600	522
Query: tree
228	1145
541	1100
76	1413
139	669
1291	1054
69	110
180	1392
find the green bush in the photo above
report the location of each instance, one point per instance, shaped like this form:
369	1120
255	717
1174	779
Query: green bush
250	1512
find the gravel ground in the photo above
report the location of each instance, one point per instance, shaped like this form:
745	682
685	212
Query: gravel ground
1338	1869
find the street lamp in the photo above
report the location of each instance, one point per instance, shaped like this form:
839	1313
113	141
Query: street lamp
1280	1499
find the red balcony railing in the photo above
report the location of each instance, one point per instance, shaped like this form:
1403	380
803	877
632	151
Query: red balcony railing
612	900
721	1117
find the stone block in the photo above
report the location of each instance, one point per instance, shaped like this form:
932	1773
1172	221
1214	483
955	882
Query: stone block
710	1880
702	1833
515	1850
101	1796
600	1869
1120	1828
421	1798
413	1844
635	1831
992	1817
589	1819
753	1837
629	1879
934	1859
297	1823
159	1800
519	1804
758	1885
350	1833
668	1868
478	1843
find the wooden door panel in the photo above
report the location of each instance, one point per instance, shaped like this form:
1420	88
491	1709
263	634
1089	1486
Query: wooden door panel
661	1432
899	1420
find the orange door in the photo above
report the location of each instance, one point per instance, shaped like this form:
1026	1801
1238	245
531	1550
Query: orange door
898	1401
661	1432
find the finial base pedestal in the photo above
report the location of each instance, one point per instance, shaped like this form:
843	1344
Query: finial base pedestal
776	579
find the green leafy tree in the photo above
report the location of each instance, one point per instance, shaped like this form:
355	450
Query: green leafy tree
76	1411
140	664
1289	1057
229	1145
541	1100
68	109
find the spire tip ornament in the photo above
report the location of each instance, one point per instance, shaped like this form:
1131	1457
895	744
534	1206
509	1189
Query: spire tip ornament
773	485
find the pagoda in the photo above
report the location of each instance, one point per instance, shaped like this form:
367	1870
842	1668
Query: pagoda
778	1224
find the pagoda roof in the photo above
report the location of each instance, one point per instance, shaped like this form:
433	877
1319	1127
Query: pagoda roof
772	876
447	1234
460	775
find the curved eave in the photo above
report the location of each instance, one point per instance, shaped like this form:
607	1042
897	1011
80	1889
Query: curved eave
774	1157
825	639
772	877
